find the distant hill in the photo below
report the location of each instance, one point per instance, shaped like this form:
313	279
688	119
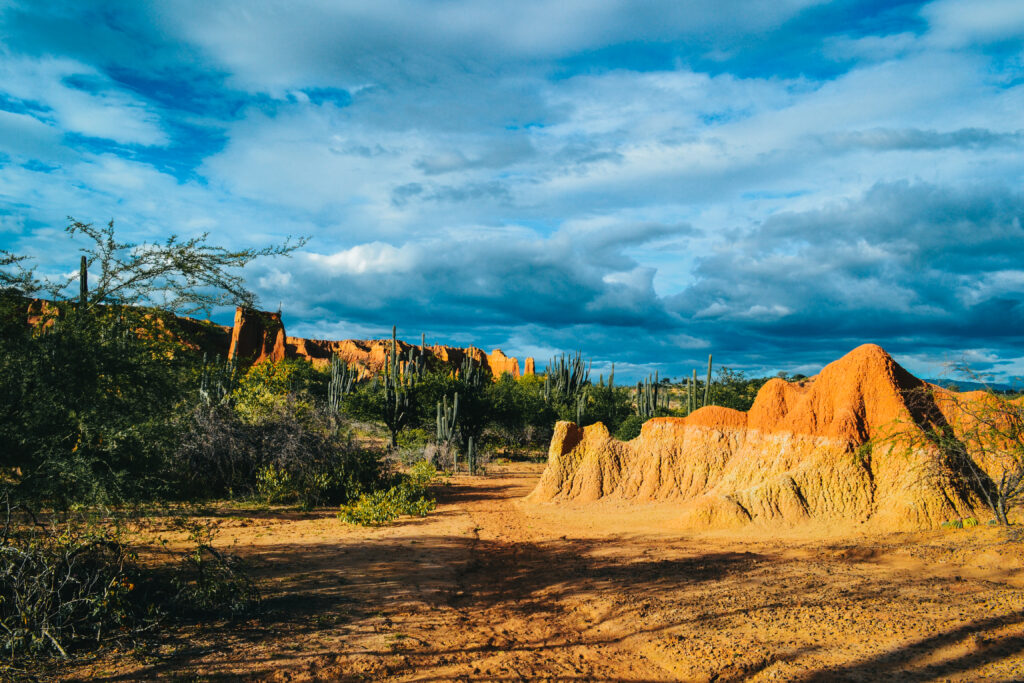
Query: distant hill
965	385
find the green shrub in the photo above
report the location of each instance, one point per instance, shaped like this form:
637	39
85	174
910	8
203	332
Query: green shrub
383	507
76	583
414	439
408	497
208	581
291	456
970	522
630	428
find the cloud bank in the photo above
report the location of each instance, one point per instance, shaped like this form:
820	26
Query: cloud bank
648	181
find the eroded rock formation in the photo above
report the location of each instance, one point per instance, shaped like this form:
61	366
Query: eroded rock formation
259	335
797	456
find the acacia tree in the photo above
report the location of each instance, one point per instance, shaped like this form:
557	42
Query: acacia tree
179	275
981	443
86	401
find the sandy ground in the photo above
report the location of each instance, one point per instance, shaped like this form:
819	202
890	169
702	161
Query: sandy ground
492	588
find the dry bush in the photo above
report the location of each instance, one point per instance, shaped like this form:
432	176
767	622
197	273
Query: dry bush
975	438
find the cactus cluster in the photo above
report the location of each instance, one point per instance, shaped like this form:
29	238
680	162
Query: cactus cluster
217	381
566	378
447	419
416	359
448	433
650	397
692	401
471	372
399	383
341	385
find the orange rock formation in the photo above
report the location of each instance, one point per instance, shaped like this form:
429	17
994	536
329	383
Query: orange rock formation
258	335
797	456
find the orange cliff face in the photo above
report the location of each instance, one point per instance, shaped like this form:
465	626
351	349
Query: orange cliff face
259	336
796	457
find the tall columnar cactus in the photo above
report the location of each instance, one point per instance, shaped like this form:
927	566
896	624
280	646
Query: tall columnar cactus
707	384
471	372
416	359
398	383
648	397
565	378
447	426
217	381
471	456
83	282
581	406
341	384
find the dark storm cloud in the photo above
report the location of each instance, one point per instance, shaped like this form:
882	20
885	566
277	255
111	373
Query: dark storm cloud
905	265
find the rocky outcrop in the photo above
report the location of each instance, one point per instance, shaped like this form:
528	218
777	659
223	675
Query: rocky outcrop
529	369
797	456
257	336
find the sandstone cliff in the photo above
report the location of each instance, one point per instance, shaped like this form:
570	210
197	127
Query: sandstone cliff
797	456
256	336
259	335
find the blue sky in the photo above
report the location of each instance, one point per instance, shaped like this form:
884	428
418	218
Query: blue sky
648	181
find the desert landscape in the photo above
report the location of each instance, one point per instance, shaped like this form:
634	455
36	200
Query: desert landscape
719	547
478	340
491	588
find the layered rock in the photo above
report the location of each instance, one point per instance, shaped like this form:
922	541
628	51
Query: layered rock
259	335
797	456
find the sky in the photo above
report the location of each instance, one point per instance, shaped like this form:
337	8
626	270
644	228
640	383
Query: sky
649	182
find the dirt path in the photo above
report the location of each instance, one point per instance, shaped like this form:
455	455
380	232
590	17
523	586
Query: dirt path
492	588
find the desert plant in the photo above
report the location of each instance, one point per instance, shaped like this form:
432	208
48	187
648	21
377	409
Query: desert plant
407	497
207	580
296	453
63	584
447	428
341	385
630	428
647	397
977	439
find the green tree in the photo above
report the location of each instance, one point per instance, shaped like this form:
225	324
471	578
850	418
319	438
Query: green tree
89	395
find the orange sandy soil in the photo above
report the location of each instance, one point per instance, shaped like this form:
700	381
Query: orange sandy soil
491	588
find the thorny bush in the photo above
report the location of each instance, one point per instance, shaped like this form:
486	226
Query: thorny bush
75	582
296	453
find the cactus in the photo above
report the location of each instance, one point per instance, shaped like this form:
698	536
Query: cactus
341	384
471	372
399	382
565	378
581	406
707	384
648	399
217	382
83	282
447	427
471	456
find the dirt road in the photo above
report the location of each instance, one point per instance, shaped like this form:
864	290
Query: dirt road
492	588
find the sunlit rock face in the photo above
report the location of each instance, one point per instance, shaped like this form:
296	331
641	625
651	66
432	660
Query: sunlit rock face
258	336
797	457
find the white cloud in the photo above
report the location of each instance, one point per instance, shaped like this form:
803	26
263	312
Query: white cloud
956	23
96	108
